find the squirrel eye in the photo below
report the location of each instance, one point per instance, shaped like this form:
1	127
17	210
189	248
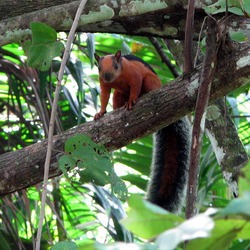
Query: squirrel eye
116	66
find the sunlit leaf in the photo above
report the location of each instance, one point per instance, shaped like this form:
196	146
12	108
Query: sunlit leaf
244	181
221	237
147	220
93	163
238	36
44	46
65	245
199	226
239	206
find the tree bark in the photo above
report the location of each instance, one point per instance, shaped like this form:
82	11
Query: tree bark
163	18
228	149
23	168
221	131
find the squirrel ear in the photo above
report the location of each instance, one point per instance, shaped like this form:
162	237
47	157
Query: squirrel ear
97	57
118	55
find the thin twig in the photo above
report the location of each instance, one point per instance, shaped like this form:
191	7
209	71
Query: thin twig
207	75
164	57
188	43
52	119
199	41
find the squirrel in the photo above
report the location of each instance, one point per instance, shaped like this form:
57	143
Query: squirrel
131	77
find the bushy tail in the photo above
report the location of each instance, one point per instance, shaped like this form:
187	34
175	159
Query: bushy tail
169	170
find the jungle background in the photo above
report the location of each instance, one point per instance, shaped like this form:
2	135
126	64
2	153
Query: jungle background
76	210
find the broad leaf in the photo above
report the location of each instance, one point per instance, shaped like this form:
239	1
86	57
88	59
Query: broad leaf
93	163
148	220
44	46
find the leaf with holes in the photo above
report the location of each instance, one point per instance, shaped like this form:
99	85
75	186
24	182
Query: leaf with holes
93	163
44	46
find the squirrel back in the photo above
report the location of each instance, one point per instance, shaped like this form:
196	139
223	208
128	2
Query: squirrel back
131	77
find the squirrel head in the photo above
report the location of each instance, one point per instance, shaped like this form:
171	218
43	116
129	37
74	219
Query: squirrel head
109	66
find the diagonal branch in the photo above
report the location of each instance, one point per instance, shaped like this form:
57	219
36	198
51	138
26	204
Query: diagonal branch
23	168
207	75
227	146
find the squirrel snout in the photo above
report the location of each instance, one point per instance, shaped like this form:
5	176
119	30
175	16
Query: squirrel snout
108	77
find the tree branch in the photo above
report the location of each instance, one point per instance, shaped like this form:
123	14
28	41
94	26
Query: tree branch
103	16
228	149
164	57
188	42
213	43
23	168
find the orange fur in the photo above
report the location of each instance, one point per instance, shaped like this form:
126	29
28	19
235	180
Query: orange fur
129	78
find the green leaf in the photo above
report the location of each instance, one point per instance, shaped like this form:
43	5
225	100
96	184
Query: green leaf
234	225
43	48
148	220
41	55
198	226
239	206
79	141
76	70
43	83
15	84
244	181
244	233
136	180
91	48
42	33
138	155
90	246
238	36
117	246
96	174
65	245
93	163
241	245
4	244
221	237
247	7
66	162
234	6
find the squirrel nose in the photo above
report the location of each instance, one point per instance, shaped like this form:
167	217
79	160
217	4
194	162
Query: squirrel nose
107	76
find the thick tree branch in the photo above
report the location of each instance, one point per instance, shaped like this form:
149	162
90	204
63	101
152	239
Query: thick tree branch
128	17
23	168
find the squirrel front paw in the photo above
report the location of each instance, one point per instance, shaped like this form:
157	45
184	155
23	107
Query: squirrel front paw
129	105
99	115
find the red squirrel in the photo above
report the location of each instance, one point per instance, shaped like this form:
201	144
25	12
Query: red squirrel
131	77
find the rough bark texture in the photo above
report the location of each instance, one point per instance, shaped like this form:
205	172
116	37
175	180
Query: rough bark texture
159	18
22	168
228	148
220	129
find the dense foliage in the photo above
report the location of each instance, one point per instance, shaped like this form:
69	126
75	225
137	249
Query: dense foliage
85	213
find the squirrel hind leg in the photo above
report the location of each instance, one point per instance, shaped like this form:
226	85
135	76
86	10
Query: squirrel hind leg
150	82
119	100
169	170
